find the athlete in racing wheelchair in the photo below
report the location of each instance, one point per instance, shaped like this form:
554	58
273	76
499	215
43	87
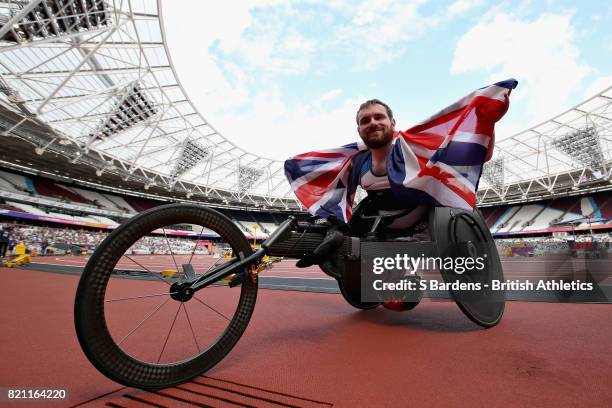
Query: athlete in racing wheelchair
406	175
421	192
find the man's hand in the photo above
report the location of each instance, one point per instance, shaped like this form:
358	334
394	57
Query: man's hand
334	238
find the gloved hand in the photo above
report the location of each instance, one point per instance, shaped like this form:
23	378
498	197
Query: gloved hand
334	237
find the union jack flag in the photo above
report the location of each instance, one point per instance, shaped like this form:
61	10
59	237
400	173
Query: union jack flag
437	162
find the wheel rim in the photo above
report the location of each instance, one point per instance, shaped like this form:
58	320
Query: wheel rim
459	234
155	319
118	315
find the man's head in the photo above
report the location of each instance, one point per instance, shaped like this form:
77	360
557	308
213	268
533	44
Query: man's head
375	123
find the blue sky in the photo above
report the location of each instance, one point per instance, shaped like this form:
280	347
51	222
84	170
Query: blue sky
283	77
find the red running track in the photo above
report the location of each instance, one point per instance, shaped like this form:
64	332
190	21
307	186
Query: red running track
313	349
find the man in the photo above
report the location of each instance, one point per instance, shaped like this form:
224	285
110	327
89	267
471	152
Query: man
376	128
376	125
436	163
5	237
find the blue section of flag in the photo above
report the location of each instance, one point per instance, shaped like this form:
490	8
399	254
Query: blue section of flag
461	154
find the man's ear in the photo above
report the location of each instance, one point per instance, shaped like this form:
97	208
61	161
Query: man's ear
393	123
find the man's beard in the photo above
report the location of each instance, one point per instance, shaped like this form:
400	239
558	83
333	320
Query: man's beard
377	143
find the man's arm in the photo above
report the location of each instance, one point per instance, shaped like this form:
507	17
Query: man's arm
498	116
490	149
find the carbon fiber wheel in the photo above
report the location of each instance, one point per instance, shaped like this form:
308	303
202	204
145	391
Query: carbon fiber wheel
133	321
350	286
459	233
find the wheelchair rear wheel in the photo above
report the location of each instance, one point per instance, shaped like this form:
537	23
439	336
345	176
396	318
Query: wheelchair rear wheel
459	233
350	286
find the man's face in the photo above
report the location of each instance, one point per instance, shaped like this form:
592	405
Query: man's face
375	127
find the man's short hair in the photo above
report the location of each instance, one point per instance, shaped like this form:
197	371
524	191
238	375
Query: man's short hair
374	102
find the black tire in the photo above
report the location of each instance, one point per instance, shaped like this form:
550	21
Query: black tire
449	227
89	311
350	286
354	300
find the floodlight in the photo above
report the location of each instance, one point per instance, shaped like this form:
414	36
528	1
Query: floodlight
191	154
54	18
493	173
582	146
247	176
134	107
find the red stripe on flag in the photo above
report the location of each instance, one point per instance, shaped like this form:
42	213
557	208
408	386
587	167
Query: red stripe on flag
313	190
427	140
437	121
320	154
450	181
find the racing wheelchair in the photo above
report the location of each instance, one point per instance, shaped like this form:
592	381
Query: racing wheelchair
118	321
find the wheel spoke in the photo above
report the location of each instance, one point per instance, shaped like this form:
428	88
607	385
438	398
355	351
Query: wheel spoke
142	321
154	274
196	245
168	336
141	296
191	327
170	248
211	308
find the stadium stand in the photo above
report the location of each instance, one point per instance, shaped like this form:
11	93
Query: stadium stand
58	241
241	219
97	199
49	189
18	182
544	218
141	204
82	207
8	206
120	203
61	240
544	215
266	222
14	182
30	209
504	222
6	186
103	220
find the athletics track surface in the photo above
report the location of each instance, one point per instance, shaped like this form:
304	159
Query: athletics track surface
313	349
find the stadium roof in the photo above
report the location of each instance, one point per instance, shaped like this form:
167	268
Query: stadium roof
571	152
92	81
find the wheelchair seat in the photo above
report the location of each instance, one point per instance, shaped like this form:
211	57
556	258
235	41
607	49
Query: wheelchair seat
379	214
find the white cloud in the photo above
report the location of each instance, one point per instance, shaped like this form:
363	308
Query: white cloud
597	86
329	95
371	11
461	6
198	71
283	131
540	54
380	30
275	48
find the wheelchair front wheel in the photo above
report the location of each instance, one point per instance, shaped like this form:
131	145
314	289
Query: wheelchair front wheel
133	321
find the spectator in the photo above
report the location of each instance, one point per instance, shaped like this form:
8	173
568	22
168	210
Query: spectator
5	238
